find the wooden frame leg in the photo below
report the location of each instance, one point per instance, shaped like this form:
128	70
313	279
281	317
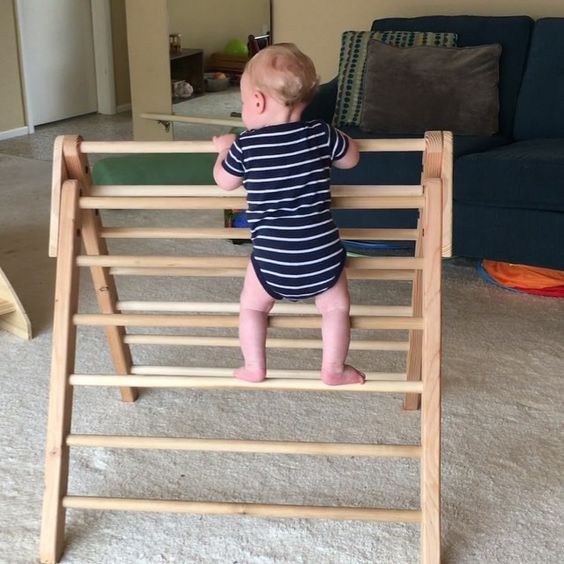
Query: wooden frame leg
76	164
430	373
62	366
106	295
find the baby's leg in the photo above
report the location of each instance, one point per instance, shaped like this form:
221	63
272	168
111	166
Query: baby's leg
254	307
334	306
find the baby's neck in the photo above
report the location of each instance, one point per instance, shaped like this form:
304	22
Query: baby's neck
284	114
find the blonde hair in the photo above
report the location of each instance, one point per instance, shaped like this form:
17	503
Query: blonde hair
285	73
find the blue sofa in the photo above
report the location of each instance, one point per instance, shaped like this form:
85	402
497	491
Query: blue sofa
508	188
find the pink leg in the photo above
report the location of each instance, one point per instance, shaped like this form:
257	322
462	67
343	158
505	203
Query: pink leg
334	306
254	307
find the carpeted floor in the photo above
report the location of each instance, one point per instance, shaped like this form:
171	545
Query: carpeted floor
502	458
217	104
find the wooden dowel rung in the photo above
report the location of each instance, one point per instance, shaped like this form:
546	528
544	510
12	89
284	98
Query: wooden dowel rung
175	233
210	372
221	262
236	445
206	190
380	274
275	321
391	145
233	307
164	191
352	273
243	233
378	203
357	190
250	509
199	341
133	203
136	147
362	234
279	384
193	119
202	272
222	202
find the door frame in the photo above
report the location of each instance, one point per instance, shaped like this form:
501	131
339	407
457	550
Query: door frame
103	59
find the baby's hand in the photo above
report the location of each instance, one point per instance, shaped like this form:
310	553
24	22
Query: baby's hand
223	142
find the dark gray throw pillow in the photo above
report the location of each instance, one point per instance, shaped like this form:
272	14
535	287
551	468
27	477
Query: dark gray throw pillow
430	88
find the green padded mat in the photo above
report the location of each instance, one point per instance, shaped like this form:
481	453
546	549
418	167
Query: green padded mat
156	168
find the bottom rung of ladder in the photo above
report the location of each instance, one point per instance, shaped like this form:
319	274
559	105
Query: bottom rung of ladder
279	384
251	509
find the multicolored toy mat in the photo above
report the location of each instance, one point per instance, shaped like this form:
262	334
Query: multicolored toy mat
522	278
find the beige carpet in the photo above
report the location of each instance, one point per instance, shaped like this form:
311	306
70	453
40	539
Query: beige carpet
502	463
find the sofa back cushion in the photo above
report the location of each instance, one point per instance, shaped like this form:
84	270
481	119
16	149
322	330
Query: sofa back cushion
352	65
540	108
427	88
512	32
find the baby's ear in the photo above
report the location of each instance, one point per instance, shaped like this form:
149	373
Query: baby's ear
259	100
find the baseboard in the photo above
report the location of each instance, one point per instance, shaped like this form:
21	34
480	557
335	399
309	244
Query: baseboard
123	108
19	131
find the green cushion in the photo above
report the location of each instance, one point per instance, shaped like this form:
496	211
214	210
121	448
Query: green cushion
352	62
156	168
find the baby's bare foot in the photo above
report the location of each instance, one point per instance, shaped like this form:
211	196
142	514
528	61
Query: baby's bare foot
250	375
349	375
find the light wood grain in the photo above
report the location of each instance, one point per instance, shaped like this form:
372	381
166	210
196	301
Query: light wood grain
77	167
139	147
13	317
422	318
62	365
430	374
219	383
256	510
237	445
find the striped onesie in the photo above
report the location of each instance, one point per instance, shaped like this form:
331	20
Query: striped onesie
297	252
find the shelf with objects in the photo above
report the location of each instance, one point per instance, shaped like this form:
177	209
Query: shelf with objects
186	73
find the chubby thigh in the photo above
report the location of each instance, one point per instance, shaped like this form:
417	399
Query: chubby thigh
253	295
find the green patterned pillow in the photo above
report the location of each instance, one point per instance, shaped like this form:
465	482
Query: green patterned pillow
352	62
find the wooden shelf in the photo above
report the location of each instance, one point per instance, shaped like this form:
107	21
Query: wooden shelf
229	64
188	65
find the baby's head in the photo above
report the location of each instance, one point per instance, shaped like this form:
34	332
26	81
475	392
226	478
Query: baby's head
283	73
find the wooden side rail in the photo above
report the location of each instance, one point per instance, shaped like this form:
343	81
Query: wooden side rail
411	330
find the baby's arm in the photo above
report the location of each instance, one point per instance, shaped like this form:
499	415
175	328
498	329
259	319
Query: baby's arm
351	157
223	179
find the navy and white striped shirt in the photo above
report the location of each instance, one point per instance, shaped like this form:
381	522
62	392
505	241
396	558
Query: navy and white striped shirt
297	252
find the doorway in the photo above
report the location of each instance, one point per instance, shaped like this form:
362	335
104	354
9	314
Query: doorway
57	46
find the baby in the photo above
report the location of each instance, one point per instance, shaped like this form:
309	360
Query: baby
285	165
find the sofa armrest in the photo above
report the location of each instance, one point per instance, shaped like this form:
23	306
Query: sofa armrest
323	105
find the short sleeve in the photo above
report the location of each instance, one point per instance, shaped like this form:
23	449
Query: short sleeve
233	162
338	144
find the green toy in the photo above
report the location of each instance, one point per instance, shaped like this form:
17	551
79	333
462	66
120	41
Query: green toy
237	48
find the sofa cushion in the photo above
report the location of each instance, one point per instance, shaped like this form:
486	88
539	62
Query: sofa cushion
425	87
524	174
521	236
323	104
352	61
540	108
512	32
